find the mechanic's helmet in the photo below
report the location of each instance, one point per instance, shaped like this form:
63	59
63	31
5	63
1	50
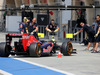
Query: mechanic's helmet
25	19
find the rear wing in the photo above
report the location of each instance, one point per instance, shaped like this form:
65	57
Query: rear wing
9	37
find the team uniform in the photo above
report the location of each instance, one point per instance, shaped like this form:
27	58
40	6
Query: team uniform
95	26
98	37
52	27
23	27
91	33
31	28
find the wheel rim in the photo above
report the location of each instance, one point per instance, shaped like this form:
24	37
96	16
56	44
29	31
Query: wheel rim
69	48
38	50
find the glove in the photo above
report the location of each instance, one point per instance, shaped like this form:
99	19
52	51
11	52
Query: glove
85	38
96	35
21	32
76	33
49	30
33	32
56	30
27	31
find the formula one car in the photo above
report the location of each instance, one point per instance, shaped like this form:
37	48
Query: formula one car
29	45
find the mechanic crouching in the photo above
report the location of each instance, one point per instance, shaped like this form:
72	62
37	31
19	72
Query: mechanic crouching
33	28
52	27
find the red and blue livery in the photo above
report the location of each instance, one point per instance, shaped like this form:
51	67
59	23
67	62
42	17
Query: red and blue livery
29	45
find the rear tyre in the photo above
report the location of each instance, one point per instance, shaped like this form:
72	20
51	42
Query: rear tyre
35	49
67	48
3	50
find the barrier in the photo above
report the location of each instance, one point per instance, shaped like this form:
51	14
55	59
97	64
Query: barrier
77	38
42	30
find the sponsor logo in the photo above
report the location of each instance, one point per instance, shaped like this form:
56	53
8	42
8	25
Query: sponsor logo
21	26
34	26
25	37
49	48
12	34
42	18
50	26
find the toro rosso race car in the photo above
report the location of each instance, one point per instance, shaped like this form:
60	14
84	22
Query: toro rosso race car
29	45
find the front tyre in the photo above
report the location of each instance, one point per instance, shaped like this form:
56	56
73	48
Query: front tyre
35	49
67	48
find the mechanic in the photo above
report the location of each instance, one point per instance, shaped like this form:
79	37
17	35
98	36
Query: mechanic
52	27
23	26
97	35
33	28
90	32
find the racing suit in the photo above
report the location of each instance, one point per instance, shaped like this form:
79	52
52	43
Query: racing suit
23	27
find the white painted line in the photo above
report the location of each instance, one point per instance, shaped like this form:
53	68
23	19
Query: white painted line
4	72
67	73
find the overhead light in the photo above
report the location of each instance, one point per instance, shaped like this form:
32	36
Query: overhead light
31	6
63	0
93	6
22	6
66	6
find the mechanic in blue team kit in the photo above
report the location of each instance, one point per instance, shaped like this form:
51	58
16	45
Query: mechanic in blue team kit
23	26
52	27
90	32
97	35
33	28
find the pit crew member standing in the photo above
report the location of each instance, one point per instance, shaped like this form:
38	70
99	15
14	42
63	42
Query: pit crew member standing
90	32
23	26
33	28
97	35
52	27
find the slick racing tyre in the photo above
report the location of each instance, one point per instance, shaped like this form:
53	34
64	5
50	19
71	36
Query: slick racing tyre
67	48
35	49
3	50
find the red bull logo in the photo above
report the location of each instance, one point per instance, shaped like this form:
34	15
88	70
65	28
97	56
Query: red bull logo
49	48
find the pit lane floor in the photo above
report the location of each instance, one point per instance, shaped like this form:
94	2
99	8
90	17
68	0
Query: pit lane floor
82	63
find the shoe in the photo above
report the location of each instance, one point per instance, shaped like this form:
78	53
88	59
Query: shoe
91	49
86	50
94	51
99	51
